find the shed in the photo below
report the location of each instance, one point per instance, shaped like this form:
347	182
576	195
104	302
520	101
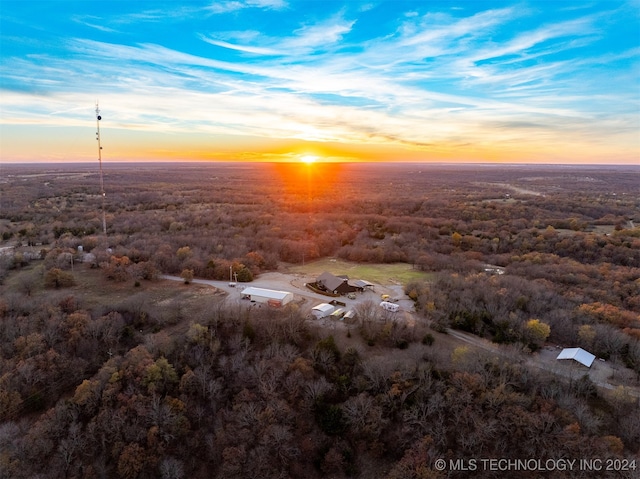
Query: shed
322	310
269	296
577	354
362	284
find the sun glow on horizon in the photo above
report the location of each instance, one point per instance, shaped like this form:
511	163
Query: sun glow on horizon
309	159
304	83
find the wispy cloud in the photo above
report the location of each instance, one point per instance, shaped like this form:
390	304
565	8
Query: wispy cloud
225	6
426	82
240	48
314	38
318	36
92	21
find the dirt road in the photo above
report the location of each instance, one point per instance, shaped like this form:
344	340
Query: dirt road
603	374
295	283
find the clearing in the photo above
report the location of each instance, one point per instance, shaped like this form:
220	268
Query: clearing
382	274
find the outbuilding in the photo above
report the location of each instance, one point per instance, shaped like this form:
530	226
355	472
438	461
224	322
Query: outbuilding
577	354
269	296
349	315
322	310
362	284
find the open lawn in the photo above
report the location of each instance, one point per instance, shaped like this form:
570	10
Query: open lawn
383	274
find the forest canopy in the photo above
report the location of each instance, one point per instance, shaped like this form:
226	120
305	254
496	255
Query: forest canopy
106	371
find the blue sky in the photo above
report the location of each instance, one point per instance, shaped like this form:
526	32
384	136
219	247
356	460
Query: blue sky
276	80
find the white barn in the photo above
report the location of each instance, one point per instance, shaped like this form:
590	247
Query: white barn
577	354
322	310
269	296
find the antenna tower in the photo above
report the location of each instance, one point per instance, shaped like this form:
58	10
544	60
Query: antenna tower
98	118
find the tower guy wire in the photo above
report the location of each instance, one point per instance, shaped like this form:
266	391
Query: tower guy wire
102	194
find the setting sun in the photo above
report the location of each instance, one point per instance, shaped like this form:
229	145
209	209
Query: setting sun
358	91
308	159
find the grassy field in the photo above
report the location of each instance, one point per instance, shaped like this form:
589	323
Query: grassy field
92	290
384	274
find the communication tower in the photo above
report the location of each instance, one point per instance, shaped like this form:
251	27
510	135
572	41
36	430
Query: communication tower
102	194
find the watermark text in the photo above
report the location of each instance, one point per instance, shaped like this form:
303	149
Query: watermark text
535	465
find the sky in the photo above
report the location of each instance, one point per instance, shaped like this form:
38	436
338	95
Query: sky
287	80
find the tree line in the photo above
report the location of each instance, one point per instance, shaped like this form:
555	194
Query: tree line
242	393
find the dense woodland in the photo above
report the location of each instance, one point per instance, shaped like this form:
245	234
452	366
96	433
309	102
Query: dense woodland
136	387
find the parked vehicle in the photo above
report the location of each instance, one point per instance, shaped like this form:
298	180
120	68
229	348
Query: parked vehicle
394	308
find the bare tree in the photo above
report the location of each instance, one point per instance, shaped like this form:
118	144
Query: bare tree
171	468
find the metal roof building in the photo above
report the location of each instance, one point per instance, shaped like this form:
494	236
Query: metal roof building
577	354
322	310
361	283
269	296
349	314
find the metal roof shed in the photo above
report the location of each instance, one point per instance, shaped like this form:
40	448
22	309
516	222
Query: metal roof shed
261	295
322	310
577	354
361	283
350	314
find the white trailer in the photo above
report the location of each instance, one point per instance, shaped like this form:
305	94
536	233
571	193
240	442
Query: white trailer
386	305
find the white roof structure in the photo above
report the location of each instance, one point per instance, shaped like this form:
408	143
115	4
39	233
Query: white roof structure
577	354
265	293
323	307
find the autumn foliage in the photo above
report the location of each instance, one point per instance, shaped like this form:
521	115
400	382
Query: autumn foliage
142	386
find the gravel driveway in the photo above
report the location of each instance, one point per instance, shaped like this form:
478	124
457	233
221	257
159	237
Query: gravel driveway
295	283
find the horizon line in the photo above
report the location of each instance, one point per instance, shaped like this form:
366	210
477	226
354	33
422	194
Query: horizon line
320	162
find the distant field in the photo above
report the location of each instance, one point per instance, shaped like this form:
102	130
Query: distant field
603	229
384	274
595	229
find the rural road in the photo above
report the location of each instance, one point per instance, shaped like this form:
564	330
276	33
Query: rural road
545	359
